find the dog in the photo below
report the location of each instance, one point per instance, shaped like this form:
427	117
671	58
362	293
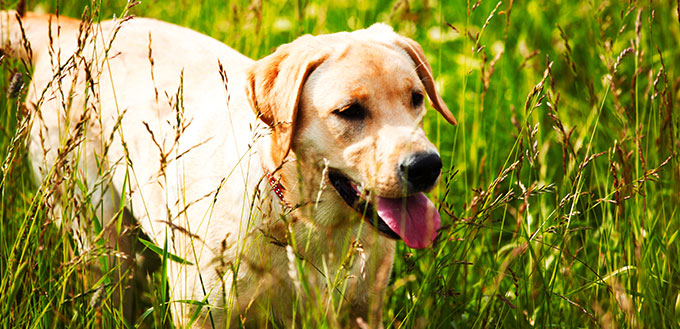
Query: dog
270	182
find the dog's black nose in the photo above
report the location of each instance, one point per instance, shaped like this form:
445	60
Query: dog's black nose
420	171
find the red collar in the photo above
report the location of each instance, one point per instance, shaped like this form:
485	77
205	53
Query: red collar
276	186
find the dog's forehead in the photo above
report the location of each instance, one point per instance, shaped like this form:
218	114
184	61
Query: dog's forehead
379	40
367	73
365	62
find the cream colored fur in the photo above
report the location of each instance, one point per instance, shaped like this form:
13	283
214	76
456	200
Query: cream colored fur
206	173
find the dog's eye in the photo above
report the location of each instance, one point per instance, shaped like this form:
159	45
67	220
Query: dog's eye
352	112
417	98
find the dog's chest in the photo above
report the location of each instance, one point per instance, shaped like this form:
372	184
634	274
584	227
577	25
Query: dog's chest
337	268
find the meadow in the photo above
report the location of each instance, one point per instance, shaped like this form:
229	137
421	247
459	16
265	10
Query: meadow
560	196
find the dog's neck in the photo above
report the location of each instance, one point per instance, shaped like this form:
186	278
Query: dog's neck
276	186
273	174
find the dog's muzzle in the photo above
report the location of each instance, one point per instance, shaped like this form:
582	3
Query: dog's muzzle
420	171
412	217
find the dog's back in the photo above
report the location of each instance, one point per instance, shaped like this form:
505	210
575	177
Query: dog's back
136	105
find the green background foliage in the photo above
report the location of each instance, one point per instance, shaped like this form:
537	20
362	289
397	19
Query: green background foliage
561	190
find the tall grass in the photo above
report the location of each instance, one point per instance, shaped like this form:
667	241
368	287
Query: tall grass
561	193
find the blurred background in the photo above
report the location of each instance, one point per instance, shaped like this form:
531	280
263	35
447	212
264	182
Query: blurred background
561	191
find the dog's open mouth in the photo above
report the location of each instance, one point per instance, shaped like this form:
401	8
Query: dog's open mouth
412	218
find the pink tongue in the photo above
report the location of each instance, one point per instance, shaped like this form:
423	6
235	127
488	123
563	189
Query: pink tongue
414	219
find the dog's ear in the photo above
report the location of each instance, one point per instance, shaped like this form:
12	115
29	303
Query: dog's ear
274	87
424	70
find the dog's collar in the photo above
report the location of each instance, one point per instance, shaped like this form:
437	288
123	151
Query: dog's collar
276	186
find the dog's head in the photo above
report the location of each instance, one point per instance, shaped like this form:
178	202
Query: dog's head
351	105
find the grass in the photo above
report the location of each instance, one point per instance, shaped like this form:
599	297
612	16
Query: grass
561	192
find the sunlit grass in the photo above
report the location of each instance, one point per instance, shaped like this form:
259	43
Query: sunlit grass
562	190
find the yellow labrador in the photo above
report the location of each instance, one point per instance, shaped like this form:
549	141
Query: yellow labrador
298	170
